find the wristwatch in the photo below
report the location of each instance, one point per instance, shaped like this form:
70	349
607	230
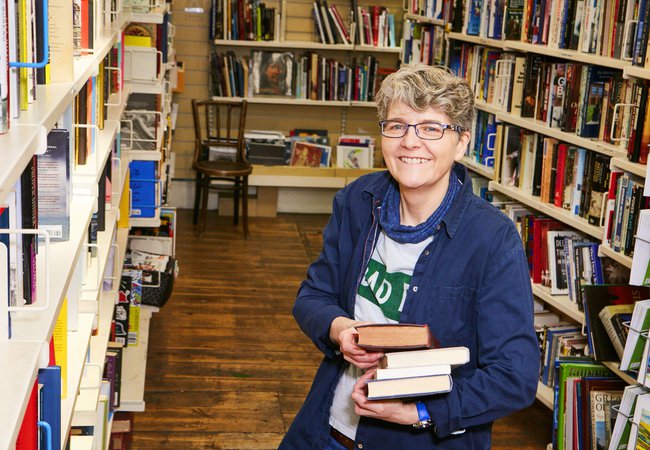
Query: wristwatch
423	416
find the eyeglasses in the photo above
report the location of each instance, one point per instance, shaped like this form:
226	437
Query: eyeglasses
426	130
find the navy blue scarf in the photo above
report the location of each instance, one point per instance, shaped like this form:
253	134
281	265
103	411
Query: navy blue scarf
405	234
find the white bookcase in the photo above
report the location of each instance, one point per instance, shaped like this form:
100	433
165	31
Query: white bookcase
31	326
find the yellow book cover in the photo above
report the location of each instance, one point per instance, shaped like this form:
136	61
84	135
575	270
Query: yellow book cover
60	336
134	325
123	221
23	45
138	41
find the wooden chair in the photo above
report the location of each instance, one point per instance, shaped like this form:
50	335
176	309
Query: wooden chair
219	124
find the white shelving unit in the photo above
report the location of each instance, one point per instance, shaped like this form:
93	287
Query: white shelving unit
134	371
32	326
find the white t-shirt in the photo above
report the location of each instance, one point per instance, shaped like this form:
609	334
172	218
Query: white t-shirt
380	299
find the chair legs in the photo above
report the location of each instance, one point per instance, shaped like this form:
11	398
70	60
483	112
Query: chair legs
197	198
202	194
204	205
236	201
244	204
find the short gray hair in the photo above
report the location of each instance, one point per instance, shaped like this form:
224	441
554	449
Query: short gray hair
421	87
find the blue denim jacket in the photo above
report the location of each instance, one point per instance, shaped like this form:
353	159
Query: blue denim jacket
471	285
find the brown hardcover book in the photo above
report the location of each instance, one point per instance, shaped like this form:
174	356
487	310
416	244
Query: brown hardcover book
398	336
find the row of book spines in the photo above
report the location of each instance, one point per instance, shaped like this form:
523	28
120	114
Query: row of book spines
549	246
553	170
44	403
574	24
624	202
241	20
22	90
314	77
436	9
422	43
574	98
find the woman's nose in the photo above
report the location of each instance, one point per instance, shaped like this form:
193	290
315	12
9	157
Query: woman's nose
411	138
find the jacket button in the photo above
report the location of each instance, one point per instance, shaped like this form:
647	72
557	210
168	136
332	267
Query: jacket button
359	445
415	288
426	253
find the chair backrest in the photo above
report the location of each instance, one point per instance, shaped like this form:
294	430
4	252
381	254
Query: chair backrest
219	123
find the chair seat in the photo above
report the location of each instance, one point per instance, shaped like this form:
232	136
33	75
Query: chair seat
224	168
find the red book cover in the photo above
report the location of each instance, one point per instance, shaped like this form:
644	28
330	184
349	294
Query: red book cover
558	195
339	20
84	24
374	14
541	225
611	202
28	434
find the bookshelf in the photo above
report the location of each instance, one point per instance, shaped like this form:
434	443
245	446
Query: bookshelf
483	75
296	33
58	277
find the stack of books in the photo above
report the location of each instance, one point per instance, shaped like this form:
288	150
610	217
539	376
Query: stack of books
413	365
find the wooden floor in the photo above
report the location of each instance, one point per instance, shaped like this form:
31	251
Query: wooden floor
228	367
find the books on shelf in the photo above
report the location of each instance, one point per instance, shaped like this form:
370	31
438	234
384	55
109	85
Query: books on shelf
397	336
595	298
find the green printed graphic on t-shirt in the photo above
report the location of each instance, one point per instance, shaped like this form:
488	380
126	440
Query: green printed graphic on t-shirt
385	289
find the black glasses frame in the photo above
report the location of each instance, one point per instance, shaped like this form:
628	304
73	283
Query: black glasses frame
444	126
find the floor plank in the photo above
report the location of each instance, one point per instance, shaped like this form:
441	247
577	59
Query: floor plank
228	368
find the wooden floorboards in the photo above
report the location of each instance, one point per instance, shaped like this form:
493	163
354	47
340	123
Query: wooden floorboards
228	367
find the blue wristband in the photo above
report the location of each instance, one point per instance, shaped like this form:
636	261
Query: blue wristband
423	412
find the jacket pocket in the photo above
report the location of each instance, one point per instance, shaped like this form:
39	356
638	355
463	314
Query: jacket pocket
452	313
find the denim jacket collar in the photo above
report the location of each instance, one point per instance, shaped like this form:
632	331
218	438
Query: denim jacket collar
376	190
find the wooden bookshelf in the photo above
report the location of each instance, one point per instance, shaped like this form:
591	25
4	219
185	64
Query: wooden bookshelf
305	45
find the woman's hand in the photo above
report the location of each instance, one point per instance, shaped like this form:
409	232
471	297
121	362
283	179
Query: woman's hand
343	333
395	411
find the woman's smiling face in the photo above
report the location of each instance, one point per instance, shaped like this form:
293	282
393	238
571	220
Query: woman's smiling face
420	164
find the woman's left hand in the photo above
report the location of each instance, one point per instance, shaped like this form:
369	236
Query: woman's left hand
395	411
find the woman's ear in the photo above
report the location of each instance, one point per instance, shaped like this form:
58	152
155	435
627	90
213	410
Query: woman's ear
461	147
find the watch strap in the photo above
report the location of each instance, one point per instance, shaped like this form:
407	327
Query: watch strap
423	412
424	419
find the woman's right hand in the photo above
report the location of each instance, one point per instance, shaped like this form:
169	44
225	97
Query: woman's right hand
343	333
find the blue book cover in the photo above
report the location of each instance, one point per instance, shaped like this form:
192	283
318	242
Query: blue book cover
474	18
50	403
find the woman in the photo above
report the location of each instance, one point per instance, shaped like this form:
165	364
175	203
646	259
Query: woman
448	259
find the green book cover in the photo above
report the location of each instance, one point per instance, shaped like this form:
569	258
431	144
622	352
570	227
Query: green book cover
567	370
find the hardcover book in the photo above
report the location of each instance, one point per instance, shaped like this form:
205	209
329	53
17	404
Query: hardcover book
454	356
408	387
50	404
394	336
